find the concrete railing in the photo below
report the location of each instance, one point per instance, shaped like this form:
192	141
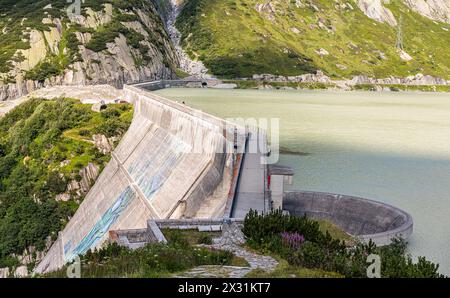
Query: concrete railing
189	224
162	84
363	218
237	170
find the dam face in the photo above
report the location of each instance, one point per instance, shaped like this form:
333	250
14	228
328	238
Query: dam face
176	162
173	162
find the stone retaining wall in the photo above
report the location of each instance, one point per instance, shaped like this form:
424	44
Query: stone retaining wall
133	239
162	84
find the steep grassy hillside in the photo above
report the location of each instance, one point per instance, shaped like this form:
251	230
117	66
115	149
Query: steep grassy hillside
44	147
239	38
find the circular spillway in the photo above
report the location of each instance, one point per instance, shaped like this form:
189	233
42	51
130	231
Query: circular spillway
362	218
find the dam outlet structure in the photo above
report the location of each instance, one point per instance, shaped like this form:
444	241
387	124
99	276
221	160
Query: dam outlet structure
366	220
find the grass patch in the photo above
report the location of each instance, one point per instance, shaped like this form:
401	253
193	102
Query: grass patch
335	232
181	74
284	270
189	237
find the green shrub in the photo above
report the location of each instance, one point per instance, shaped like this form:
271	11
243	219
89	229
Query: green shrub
43	71
112	127
266	229
205	239
104	35
78	177
177	237
56	183
110	112
84	132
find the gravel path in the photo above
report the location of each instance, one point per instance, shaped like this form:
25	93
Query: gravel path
232	240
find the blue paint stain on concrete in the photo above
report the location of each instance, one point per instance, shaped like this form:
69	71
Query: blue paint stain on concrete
103	225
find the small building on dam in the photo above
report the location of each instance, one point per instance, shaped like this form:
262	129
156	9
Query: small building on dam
176	163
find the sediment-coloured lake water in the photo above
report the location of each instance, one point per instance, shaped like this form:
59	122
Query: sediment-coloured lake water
392	147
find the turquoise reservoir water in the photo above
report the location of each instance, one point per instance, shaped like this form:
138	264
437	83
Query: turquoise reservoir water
392	147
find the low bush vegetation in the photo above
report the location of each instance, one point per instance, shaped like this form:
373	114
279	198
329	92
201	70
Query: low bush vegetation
153	260
300	241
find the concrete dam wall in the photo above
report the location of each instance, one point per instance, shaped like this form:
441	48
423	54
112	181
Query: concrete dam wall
363	218
173	162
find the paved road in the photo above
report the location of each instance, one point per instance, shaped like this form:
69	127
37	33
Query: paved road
250	194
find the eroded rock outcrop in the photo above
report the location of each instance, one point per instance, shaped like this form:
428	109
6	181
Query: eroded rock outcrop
438	10
418	79
87	175
267	9
374	9
318	77
4	272
102	144
29	256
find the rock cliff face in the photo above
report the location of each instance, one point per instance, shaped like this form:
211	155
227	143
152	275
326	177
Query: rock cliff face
374	9
105	45
438	10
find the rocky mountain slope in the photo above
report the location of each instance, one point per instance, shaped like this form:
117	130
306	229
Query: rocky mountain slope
343	38
169	11
44	43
